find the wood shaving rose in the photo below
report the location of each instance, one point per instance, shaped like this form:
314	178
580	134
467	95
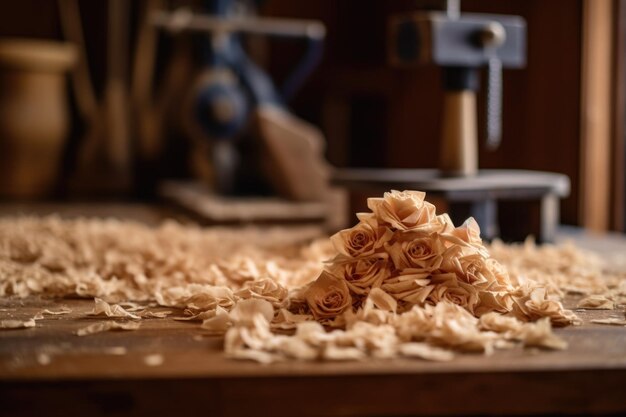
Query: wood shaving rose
422	258
422	253
361	240
449	288
328	296
472	269
362	274
265	288
403	210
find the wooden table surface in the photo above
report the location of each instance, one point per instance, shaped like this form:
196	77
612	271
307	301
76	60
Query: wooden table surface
48	370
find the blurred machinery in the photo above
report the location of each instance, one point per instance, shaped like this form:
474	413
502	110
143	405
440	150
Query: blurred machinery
232	90
462	44
256	147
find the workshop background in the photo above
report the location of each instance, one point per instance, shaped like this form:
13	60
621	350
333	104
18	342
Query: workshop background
563	112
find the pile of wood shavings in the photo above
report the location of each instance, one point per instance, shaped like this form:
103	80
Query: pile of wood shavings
181	266
262	290
566	269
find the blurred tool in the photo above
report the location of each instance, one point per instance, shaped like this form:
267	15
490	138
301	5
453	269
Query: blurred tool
104	158
235	106
160	77
462	44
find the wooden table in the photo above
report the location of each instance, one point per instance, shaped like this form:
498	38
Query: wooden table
48	370
195	377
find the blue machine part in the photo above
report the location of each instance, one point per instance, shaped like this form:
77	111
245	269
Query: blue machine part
221	109
223	103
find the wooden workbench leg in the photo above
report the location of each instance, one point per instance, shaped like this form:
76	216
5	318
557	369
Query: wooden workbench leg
549	212
484	212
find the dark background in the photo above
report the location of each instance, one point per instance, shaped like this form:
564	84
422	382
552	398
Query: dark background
374	115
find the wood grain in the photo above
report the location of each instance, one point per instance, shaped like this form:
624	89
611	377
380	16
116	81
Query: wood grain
82	376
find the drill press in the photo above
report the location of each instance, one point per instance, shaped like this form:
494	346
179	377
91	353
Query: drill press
462	45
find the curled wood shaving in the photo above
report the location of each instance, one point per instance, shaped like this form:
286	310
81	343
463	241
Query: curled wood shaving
562	269
155	314
17	324
103	308
540	334
63	310
615	321
532	303
106	326
596	302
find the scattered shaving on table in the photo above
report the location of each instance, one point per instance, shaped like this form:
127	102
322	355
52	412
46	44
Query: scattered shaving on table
153	360
615	321
155	314
596	302
404	282
44	359
103	308
132	306
122	261
40	315
17	324
563	269
62	311
115	350
106	326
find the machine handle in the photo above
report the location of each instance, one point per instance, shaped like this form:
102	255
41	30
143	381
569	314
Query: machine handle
492	37
459	147
494	103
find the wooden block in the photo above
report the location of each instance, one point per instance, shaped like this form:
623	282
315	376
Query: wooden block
294	148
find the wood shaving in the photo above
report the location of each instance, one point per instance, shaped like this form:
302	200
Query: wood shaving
153	360
615	321
106	326
132	306
127	261
62	311
425	351
44	359
17	324
115	350
596	302
40	315
539	334
155	314
404	282
562	269
103	308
